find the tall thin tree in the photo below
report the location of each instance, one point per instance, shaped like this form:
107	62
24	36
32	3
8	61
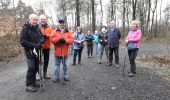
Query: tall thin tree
77	13
93	16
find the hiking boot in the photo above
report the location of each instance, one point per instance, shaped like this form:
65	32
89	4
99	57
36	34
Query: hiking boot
36	85
55	80
73	64
131	74
46	77
66	79
99	62
30	89
109	64
38	78
117	66
80	63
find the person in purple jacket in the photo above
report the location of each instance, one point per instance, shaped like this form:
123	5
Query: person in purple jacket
133	45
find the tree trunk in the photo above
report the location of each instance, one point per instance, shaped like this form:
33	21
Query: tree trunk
15	26
153	16
77	13
101	12
123	23
93	16
148	19
134	5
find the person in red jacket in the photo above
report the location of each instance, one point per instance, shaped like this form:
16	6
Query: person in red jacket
61	38
46	31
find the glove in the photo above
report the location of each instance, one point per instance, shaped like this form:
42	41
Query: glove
38	46
61	41
45	36
79	42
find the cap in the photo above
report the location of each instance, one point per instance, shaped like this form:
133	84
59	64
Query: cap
61	20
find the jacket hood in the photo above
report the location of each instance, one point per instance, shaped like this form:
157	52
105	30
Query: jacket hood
65	30
28	25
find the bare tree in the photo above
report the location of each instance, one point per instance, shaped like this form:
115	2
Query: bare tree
101	5
134	6
77	13
153	16
93	16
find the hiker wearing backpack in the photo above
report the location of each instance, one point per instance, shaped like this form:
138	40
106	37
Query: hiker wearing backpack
103	40
113	43
61	38
133	45
31	39
89	41
78	45
46	31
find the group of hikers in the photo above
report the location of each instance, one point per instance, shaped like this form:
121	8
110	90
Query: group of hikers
36	35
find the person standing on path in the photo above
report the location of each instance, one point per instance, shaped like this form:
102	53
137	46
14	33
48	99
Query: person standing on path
133	45
31	39
113	43
96	35
89	41
103	40
46	31
78	45
61	38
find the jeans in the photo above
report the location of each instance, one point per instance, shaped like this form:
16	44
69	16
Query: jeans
89	48
116	52
97	48
77	52
71	49
132	56
46	60
33	66
58	61
102	48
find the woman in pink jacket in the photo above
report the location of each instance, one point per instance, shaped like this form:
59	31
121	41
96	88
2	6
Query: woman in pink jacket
133	45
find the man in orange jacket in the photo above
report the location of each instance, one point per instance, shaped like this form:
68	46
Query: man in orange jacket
61	38
46	31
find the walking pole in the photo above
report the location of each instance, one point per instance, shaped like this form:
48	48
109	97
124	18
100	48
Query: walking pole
41	71
124	62
62	52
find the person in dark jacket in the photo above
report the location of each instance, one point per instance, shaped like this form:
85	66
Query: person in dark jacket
103	40
113	43
31	39
89	40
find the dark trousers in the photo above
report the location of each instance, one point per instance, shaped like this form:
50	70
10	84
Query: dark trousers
132	56
33	66
89	48
46	60
116	53
77	52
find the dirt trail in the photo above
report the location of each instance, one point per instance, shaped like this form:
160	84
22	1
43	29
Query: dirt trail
89	81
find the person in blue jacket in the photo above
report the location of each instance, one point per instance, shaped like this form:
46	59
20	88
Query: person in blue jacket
113	43
78	45
89	40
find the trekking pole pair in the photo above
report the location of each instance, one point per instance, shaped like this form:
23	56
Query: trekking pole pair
40	70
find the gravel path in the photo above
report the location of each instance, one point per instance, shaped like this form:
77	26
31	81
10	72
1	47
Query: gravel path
89	81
